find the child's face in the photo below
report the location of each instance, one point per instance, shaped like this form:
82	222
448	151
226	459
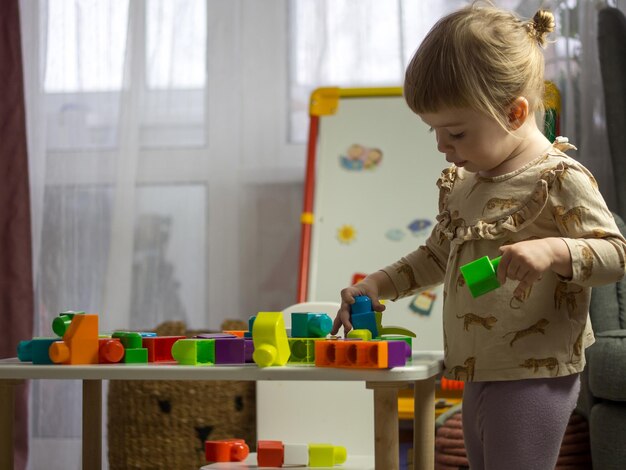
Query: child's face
472	140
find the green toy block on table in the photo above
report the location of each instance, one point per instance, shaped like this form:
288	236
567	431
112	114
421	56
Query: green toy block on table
480	275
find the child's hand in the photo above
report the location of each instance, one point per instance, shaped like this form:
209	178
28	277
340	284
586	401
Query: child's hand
527	261
365	287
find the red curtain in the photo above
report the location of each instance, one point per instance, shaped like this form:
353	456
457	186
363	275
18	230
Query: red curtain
16	278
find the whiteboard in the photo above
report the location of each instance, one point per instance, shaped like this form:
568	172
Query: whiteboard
367	215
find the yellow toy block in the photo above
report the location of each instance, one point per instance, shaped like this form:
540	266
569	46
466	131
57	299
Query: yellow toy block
271	346
365	335
326	455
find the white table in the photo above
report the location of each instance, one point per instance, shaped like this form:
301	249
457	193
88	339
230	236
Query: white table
385	384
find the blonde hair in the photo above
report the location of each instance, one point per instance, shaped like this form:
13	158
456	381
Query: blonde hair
479	57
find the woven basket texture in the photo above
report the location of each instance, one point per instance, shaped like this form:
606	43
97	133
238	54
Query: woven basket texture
163	424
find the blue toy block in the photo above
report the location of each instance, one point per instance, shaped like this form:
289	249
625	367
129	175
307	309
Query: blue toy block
35	350
248	334
365	321
362	304
310	325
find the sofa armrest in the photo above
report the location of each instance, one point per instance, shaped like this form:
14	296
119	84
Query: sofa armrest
606	366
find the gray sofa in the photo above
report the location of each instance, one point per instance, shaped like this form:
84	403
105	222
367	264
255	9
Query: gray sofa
603	391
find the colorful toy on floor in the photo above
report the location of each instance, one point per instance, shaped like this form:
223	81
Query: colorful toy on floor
480	275
278	454
226	450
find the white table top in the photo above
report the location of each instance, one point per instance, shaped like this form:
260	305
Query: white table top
425	364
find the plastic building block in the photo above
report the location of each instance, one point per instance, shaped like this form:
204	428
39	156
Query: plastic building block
110	350
362	304
397	353
160	347
248	349
365	321
362	316
296	454
194	351
238	333
134	352
248	334
326	455
61	323
270	453
36	350
80	342
226	450
302	350
230	351
214	336
348	353
310	325
365	335
480	275
271	347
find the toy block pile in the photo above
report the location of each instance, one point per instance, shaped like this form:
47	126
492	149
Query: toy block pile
266	343
307	342
276	453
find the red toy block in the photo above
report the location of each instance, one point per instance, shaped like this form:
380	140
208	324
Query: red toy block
110	350
357	354
270	453
160	347
80	342
226	450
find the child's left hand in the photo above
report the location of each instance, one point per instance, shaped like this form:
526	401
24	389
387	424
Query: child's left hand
526	261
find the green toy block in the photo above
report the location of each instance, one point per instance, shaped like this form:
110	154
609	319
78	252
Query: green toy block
302	350
62	322
135	356
194	351
129	339
480	275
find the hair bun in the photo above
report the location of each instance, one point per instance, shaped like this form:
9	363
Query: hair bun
541	25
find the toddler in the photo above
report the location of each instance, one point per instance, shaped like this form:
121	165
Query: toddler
477	80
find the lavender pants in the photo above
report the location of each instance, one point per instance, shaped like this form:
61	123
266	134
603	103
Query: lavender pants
517	424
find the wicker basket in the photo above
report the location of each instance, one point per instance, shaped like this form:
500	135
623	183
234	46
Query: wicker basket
163	424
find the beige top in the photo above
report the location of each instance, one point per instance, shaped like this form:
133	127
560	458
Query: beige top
543	333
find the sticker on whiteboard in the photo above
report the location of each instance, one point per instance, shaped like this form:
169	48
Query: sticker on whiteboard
346	234
359	157
423	302
419	225
395	234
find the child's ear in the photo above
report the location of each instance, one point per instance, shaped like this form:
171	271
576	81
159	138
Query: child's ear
518	113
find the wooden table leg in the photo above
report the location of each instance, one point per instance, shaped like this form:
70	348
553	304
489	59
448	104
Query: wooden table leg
424	425
386	441
92	424
7	418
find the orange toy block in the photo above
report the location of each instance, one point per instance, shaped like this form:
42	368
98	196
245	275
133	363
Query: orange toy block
80	342
110	350
226	450
160	347
237	333
270	453
357	354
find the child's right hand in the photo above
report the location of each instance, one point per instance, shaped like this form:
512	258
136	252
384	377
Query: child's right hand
366	287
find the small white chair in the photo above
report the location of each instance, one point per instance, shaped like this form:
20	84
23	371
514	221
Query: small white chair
339	413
